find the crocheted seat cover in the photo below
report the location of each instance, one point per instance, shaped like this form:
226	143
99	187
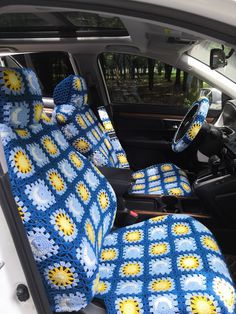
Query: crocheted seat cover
80	125
169	264
161	179
165	265
66	205
83	130
108	127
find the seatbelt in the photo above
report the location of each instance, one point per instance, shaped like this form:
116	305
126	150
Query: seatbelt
107	124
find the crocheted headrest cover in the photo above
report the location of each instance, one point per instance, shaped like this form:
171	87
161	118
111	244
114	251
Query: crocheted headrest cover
20	97
64	114
72	89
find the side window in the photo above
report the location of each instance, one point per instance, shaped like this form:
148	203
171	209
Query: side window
50	67
139	80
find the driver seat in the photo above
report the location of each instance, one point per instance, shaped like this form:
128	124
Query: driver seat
85	133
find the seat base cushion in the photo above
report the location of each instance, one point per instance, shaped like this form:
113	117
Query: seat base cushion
161	179
168	264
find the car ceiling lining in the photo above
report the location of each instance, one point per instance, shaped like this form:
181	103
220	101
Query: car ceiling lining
150	12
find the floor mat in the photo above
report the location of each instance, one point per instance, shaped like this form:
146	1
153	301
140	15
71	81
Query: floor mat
231	262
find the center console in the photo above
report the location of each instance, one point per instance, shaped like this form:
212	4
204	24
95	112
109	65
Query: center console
131	206
217	189
214	191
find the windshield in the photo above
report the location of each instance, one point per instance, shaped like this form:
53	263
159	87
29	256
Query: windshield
202	53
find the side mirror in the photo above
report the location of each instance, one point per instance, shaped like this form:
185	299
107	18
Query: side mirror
214	95
217	59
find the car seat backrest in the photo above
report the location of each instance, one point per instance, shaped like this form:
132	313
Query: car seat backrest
80	125
21	100
66	205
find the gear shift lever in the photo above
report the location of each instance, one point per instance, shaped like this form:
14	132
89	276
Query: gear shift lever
214	163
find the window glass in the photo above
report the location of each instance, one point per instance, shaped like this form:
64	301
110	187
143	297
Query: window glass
8	61
140	80
50	67
17	59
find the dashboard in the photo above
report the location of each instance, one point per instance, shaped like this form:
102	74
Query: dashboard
227	117
227	123
217	188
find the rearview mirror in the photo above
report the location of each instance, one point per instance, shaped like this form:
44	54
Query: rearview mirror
217	59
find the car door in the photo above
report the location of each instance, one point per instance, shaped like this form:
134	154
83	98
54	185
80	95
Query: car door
148	100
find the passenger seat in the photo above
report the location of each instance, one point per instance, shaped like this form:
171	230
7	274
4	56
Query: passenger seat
86	134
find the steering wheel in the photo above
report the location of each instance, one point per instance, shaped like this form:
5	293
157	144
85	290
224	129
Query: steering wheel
190	125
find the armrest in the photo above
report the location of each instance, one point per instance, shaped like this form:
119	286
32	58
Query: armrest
120	179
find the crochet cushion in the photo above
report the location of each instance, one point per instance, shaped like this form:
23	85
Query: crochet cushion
161	179
202	107
168	264
100	144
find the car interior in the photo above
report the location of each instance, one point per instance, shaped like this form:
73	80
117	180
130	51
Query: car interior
120	139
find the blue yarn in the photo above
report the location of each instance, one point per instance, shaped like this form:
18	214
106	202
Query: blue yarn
168	264
65	203
100	144
195	126
161	179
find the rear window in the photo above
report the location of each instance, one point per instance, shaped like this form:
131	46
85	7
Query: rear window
50	67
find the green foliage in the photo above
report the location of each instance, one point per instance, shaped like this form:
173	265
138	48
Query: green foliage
136	79
187	103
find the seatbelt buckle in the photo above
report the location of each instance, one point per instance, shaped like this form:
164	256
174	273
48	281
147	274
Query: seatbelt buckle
131	217
133	214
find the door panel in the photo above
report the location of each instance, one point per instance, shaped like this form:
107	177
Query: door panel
154	126
146	136
149	99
